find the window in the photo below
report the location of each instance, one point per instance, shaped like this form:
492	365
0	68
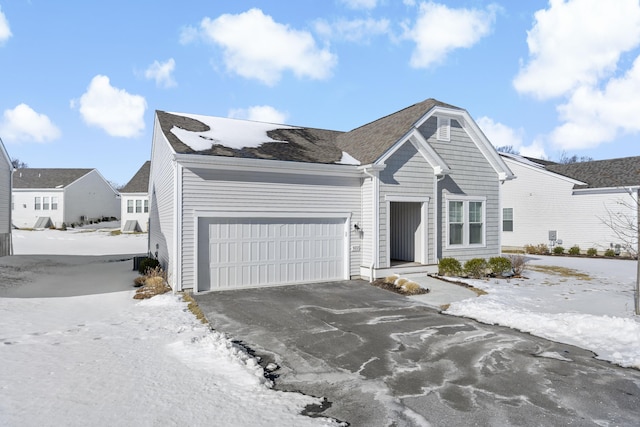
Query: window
444	129
507	219
38	205
146	206
456	219
465	221
129	206
138	206
45	203
54	203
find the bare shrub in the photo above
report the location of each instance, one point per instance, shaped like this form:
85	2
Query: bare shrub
539	249
400	282
391	279
155	283
518	264
411	288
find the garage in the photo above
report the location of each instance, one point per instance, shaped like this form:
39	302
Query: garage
254	252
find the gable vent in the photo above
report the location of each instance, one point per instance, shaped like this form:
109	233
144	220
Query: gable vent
444	129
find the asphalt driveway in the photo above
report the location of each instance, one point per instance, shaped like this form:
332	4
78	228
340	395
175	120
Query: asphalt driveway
381	359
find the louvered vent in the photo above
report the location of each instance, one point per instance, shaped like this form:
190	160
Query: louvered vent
444	129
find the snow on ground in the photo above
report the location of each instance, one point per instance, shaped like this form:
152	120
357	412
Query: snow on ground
593	310
108	359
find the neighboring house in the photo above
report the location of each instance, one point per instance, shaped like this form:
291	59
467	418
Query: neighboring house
134	198
572	203
236	203
53	197
6	168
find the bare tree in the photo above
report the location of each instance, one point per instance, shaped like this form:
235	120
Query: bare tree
508	149
565	159
18	164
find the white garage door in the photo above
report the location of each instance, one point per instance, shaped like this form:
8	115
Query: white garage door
243	252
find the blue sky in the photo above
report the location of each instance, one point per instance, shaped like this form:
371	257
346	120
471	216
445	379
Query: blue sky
81	80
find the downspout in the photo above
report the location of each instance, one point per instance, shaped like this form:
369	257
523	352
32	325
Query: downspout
375	235
11	210
436	209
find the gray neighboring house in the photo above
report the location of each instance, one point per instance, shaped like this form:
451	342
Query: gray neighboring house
134	198
236	203
6	169
572	202
53	197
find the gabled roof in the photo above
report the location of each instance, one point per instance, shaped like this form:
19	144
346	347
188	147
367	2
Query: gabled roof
367	143
140	181
623	172
46	178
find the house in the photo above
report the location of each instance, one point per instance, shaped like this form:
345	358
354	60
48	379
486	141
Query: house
570	204
134	199
6	168
236	203
56	197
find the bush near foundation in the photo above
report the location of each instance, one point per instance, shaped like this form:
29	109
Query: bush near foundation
592	252
476	268
147	264
449	267
499	265
574	250
558	250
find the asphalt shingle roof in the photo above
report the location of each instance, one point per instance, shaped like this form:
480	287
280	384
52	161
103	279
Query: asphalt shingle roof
46	178
140	181
623	172
365	143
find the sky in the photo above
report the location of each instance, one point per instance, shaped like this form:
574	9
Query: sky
82	80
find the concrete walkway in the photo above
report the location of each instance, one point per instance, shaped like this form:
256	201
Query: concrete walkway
441	292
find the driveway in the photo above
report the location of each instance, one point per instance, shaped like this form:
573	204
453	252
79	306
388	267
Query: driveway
381	359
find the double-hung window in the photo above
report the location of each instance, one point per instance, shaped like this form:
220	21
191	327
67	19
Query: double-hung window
139	206
38	203
129	206
54	203
466	221
45	203
507	219
146	206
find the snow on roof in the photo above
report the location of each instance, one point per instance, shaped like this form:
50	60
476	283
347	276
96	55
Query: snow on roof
232	133
348	159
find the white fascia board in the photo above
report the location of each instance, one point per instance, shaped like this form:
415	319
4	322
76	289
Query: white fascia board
548	172
439	166
476	135
607	190
262	165
39	190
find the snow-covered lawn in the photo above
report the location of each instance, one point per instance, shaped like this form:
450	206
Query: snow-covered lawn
108	359
585	302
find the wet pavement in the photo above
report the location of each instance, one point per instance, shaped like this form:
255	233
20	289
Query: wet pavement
382	359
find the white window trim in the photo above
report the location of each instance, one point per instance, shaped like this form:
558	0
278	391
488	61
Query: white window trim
465	221
503	219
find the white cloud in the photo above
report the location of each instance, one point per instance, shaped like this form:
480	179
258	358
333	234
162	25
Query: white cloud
257	47
259	113
502	135
577	42
114	110
5	31
162	73
360	4
356	30
592	116
439	30
24	124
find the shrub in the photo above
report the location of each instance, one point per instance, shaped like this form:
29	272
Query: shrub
412	288
155	283
147	264
449	267
499	264
391	279
540	249
609	252
574	250
475	268
592	252
518	264
558	250
400	282
139	281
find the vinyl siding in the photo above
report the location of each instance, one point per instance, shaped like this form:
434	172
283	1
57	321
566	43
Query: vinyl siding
141	217
407	174
471	175
367	222
90	196
162	201
542	201
211	190
25	215
5	204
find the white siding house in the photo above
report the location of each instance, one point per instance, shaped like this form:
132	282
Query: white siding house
6	169
236	203
53	197
134	199
574	203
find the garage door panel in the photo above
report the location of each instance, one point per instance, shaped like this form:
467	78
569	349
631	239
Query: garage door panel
270	251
